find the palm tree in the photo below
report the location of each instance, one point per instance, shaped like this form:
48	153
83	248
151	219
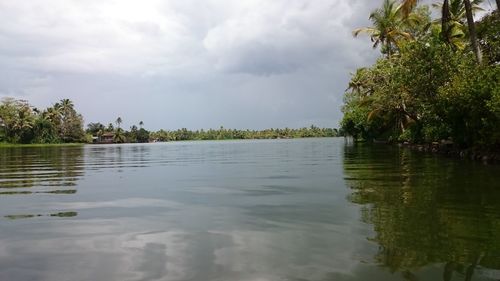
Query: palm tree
453	20
25	118
119	136
118	121
99	134
53	114
472	31
66	104
141	124
456	9
387	29
408	5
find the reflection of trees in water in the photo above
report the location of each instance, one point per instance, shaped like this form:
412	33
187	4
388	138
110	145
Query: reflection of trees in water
43	168
427	210
60	214
117	157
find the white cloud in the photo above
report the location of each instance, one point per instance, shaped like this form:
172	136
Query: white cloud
127	37
185	52
278	36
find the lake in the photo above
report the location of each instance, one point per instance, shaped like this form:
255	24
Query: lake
262	210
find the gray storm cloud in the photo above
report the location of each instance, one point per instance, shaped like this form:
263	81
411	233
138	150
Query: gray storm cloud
195	64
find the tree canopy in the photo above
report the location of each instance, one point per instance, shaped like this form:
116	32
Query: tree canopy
430	86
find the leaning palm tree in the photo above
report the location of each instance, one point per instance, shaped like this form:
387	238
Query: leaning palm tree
388	27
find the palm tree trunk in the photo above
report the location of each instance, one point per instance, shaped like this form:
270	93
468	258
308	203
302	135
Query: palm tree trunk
498	4
472	30
445	19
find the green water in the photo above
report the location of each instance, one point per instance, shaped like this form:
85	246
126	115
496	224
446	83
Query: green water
311	209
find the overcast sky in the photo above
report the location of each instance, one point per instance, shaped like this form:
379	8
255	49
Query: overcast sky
186	63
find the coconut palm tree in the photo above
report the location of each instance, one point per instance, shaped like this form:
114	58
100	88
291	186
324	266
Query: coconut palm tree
66	104
408	5
118	121
387	29
53	114
68	118
453	20
472	30
119	136
457	9
141	124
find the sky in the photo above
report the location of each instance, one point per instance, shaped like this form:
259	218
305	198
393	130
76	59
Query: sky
186	63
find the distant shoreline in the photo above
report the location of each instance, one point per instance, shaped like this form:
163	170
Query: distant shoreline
35	145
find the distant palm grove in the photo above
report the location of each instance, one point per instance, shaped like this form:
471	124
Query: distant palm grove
61	123
437	80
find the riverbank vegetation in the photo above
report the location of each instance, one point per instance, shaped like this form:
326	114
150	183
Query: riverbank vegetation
437	79
229	134
118	135
21	123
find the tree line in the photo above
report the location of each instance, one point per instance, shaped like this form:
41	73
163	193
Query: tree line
22	123
61	123
229	134
437	78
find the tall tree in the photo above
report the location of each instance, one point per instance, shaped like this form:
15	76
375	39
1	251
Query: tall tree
408	5
118	121
445	20
472	30
71	125
66	104
387	29
453	19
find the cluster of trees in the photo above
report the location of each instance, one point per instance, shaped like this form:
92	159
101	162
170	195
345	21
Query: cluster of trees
61	123
228	134
437	79
140	135
22	123
134	135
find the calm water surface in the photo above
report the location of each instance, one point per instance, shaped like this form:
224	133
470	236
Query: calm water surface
314	209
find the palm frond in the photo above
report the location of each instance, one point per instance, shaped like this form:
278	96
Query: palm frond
407	7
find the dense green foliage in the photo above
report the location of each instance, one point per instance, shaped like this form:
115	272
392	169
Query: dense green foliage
142	135
227	134
119	135
430	87
22	123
